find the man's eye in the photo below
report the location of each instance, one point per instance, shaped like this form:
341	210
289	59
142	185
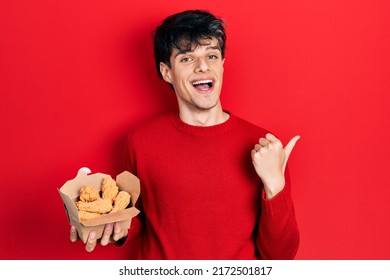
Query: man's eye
213	56
185	59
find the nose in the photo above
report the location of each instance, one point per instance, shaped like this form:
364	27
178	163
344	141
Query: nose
202	65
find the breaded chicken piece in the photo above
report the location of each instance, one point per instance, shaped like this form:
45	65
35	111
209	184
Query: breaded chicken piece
109	189
88	194
84	215
98	206
121	201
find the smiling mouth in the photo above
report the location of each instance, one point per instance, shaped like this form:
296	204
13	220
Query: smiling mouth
203	85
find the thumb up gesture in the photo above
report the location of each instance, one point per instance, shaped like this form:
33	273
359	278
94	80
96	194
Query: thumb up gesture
269	159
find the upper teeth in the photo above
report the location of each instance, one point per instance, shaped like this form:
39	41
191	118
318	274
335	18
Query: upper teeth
202	82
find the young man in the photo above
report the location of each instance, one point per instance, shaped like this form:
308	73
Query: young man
210	188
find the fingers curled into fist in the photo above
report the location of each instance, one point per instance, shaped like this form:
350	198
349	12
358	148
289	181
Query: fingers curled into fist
269	159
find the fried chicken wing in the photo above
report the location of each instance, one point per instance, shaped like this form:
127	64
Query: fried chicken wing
84	215
109	189
98	206
121	201
93	203
88	194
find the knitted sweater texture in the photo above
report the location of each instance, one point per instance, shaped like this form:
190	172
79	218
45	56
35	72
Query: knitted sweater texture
201	197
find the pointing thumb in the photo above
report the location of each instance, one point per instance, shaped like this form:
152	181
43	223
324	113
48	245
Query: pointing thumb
289	147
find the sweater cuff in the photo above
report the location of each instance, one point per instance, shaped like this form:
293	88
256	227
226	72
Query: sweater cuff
279	204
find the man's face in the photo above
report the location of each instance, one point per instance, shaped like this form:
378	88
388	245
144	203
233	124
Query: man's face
196	76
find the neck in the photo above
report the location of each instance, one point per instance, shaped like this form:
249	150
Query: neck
209	117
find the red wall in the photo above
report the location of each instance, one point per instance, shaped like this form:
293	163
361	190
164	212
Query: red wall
75	76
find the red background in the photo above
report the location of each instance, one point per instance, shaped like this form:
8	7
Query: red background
77	75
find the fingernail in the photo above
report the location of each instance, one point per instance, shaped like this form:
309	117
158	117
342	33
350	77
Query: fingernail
92	235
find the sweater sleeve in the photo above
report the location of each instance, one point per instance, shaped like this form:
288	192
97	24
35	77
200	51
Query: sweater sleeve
137	223
278	234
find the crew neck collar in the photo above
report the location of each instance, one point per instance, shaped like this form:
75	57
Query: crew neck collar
205	130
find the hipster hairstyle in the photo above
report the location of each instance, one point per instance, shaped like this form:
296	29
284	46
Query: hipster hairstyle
184	31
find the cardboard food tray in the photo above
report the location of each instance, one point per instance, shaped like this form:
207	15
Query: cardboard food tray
69	193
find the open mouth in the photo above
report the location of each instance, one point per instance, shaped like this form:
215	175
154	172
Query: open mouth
203	85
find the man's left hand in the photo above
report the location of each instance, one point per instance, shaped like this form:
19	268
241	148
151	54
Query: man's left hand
269	159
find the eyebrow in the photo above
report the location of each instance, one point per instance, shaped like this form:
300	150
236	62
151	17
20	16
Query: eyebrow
207	48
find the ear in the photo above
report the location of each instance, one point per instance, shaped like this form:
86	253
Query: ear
165	72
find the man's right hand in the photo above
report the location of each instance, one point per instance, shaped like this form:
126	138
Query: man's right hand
111	234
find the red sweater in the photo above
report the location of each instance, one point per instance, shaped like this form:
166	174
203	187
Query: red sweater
201	197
